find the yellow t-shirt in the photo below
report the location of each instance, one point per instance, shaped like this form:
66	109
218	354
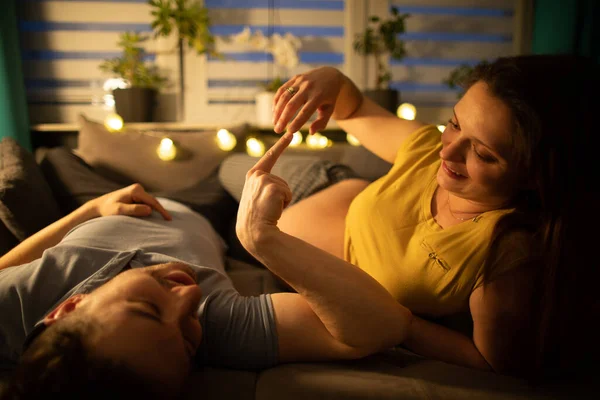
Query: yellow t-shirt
391	234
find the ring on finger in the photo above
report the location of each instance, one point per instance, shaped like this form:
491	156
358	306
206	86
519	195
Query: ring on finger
291	90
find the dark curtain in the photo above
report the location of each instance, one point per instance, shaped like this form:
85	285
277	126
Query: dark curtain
567	27
14	118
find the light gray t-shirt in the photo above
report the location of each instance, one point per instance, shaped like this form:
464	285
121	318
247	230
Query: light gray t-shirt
238	331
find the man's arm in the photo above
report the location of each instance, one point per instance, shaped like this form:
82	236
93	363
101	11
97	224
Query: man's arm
132	200
339	312
34	246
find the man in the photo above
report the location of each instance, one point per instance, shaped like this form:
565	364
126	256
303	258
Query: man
127	291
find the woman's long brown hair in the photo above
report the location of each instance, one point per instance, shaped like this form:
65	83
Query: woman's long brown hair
553	101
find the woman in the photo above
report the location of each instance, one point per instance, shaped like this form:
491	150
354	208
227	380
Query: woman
484	219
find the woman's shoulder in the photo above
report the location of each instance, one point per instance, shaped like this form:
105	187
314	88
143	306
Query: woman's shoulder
426	135
423	143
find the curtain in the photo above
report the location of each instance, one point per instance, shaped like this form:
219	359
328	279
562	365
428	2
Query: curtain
567	27
14	118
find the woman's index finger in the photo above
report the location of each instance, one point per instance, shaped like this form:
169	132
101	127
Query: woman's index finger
268	160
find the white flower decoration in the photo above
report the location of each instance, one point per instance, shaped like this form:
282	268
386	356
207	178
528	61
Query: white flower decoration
243	37
284	49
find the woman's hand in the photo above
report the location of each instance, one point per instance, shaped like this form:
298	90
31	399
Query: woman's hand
132	200
264	198
315	91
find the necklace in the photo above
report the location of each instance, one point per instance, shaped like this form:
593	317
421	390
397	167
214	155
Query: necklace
454	216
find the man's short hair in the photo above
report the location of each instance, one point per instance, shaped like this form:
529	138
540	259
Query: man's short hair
60	361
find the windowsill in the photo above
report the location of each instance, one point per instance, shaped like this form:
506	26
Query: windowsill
171	126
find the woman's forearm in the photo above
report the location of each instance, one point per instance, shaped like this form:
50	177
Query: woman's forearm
437	342
348	100
34	246
354	308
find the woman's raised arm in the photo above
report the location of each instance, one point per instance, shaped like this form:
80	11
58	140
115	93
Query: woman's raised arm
331	94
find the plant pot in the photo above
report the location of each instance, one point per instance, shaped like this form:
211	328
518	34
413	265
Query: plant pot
264	108
135	104
386	98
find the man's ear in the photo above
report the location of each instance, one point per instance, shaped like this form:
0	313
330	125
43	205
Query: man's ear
64	308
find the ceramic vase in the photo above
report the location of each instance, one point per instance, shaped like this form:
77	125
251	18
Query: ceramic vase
264	108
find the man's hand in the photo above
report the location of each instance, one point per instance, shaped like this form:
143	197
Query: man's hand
132	200
264	197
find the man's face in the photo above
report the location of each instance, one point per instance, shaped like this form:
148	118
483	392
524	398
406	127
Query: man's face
149	320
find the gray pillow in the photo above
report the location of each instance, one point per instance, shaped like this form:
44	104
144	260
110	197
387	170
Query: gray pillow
132	153
305	174
26	201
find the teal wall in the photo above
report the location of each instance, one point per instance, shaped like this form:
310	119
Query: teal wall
566	26
14	119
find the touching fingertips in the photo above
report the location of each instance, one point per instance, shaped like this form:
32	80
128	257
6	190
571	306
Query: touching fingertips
279	127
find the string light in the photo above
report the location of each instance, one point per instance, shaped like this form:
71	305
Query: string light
406	111
441	128
318	141
113	122
296	140
255	147
226	140
166	150
352	140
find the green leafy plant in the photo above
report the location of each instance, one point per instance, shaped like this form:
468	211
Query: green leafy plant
380	39
190	23
131	65
188	20
273	85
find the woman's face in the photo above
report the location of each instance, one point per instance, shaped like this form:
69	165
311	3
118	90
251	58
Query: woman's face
478	161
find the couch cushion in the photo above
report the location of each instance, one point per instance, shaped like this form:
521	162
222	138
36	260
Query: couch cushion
220	384
401	374
26	201
132	154
362	161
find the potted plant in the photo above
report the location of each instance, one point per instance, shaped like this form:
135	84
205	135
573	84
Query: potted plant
190	23
134	103
378	40
284	50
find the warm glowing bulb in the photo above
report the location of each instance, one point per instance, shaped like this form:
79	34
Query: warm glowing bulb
296	140
317	141
407	111
441	128
113	122
226	140
255	147
352	140
166	150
